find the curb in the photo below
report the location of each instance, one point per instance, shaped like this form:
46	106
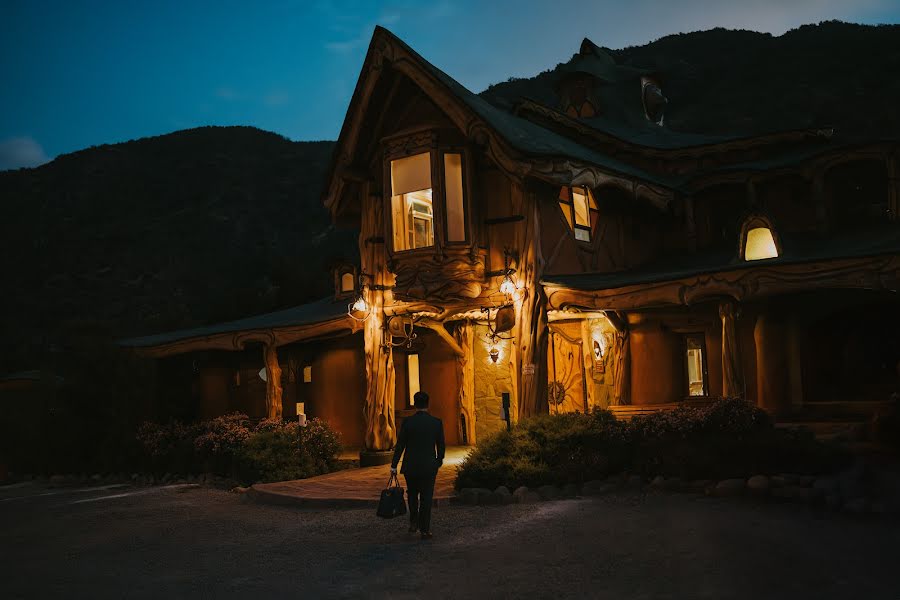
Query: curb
280	499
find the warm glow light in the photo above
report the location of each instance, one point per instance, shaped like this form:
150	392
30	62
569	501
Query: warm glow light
494	353
360	305
760	244
507	286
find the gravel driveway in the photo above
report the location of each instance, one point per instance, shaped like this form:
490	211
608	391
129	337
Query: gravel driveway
192	541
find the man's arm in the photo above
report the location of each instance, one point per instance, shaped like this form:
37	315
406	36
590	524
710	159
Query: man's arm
441	448
400	447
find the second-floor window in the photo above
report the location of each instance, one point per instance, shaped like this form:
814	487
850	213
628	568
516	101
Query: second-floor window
412	202
580	210
416	202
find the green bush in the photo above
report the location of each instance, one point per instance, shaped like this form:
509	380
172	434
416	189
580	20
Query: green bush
729	438
233	446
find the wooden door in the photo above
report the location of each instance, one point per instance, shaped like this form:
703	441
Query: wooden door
567	391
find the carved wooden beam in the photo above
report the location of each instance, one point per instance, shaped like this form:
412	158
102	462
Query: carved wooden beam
438	328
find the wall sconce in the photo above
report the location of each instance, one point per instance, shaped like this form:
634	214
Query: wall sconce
598	350
494	353
508	285
359	309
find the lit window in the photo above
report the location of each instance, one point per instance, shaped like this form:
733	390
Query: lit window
453	196
412	373
695	364
412	207
760	244
307	374
580	209
347	284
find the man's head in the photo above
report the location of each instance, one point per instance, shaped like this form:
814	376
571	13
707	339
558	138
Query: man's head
420	400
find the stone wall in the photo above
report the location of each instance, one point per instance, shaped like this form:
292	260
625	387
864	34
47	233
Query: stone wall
491	380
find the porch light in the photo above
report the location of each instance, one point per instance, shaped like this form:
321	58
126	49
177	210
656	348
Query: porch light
507	286
359	307
494	353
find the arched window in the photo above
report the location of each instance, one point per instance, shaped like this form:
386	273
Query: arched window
347	282
759	240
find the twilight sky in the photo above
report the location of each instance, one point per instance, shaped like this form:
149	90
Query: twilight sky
77	73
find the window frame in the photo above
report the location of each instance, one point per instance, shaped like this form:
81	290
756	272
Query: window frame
704	367
589	195
411	144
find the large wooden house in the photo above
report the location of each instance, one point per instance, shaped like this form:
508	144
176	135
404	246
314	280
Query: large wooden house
573	252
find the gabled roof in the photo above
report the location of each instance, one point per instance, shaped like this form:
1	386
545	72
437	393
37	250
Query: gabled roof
326	317
515	142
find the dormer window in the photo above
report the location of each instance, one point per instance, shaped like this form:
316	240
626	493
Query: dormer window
758	239
415	201
580	210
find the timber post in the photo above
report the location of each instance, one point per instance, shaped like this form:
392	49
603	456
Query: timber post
732	369
273	381
465	375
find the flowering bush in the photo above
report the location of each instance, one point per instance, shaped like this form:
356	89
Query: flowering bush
274	451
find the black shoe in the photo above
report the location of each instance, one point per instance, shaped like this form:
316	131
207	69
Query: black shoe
426	535
413	528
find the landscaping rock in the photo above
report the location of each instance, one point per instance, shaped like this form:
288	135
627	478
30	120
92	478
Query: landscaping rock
857	506
826	485
502	495
548	492
658	482
570	490
634	482
520	492
598	487
468	496
758	485
700	486
796	493
730	487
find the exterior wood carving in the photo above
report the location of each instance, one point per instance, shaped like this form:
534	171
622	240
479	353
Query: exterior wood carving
757	281
273	382
465	374
380	431
443	278
530	342
732	371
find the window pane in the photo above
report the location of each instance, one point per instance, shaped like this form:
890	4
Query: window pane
760	244
581	207
582	235
694	359
347	282
453	188
307	374
412	216
412	372
567	211
411	174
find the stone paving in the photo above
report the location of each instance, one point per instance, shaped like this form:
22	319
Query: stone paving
353	487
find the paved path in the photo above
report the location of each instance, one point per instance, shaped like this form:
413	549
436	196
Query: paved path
353	487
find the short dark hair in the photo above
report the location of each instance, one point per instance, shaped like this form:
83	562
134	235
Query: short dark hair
420	400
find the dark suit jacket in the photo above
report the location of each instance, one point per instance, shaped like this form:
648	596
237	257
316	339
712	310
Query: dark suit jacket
422	440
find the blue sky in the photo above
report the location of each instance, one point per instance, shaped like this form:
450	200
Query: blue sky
80	73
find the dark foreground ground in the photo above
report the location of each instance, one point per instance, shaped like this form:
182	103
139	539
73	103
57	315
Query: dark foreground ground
180	542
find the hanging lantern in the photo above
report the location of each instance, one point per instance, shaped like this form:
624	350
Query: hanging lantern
359	309
507	286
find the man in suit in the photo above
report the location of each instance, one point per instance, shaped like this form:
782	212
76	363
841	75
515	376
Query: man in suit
421	444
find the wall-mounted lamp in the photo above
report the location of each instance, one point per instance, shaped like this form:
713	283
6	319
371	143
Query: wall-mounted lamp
494	353
508	284
360	309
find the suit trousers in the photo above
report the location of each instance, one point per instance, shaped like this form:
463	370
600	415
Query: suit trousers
421	495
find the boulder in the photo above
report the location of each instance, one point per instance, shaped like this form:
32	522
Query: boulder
548	492
730	487
658	482
796	493
784	479
598	487
570	490
470	495
758	485
502	495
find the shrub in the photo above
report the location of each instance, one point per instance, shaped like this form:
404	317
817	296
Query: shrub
169	447
273	452
220	439
729	438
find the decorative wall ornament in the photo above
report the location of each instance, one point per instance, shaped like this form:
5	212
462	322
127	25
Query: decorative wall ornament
438	277
556	393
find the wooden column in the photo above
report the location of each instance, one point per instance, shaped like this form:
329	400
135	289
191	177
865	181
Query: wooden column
530	343
622	375
772	365
273	381
465	378
381	433
732	369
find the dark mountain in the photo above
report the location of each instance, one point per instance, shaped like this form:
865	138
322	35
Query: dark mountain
722	81
173	231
